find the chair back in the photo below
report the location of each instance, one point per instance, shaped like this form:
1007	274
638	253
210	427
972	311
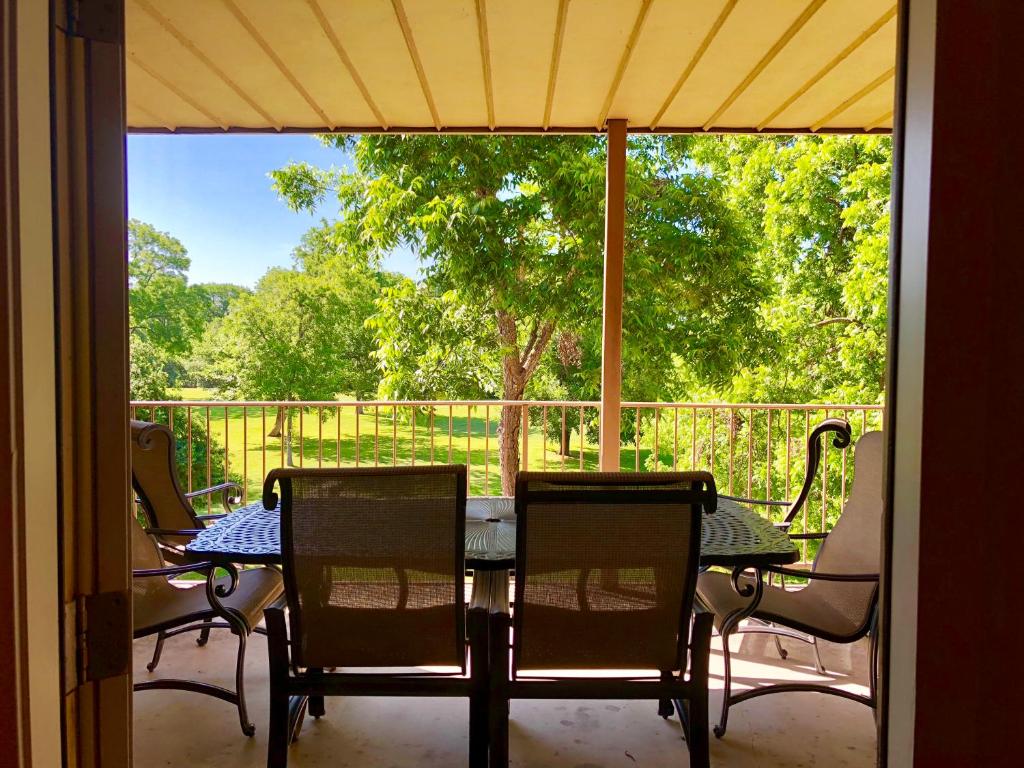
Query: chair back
854	544
155	480
151	593
374	565
606	566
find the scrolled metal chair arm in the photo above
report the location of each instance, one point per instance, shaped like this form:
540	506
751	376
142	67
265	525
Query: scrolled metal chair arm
762	502
819	576
174	531
174	570
842	439
226	499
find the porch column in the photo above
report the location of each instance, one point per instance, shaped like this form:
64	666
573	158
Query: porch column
611	338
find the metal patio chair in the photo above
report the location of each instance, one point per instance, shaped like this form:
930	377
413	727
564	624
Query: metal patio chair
814	455
172	518
606	565
168	510
374	579
839	603
160	608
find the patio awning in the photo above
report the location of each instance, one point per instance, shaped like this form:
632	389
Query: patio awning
511	65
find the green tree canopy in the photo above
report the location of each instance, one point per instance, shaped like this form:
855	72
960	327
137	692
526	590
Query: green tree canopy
164	311
819	207
513	227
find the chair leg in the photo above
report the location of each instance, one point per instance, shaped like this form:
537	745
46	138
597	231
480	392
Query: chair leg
723	722
696	707
498	694
479	649
817	656
665	708
279	732
204	637
243	714
281	714
316	703
873	670
157	651
697	732
783	653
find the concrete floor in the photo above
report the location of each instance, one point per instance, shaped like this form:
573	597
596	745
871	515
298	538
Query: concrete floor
175	728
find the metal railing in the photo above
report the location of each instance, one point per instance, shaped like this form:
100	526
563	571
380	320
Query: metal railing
753	449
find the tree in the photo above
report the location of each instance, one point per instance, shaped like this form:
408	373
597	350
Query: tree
819	207
163	310
512	228
218	297
301	335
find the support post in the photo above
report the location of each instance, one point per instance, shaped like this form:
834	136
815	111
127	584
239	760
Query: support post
611	339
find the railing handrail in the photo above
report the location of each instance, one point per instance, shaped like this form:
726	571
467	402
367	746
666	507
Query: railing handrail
497	403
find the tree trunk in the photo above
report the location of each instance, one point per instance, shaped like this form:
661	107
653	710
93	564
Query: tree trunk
278	423
509	431
288	439
564	447
516	370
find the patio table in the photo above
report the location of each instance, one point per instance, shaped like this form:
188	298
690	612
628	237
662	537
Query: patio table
733	537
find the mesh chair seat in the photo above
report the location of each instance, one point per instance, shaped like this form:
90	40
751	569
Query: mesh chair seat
803	609
157	604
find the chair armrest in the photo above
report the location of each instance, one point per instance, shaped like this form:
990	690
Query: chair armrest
218	516
842	439
173	531
806	536
817	575
173	570
762	502
226	500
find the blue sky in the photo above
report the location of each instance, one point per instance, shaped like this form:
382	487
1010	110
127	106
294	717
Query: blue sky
213	194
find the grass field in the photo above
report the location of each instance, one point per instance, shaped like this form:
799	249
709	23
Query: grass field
384	437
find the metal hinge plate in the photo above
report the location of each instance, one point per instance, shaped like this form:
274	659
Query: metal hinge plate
98	637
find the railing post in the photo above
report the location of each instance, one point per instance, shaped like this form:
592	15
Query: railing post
611	339
525	435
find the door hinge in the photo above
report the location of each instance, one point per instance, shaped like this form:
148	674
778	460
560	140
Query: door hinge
99	20
97	637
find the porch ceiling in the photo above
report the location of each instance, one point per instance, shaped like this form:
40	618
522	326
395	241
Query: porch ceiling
508	65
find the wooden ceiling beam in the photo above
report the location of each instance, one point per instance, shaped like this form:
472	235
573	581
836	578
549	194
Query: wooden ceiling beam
346	61
556	58
152	116
620	71
485	59
410	44
882	78
879	121
192	48
839	59
694	61
134	59
254	33
782	42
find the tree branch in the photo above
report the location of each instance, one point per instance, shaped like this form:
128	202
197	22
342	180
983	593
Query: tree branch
837	321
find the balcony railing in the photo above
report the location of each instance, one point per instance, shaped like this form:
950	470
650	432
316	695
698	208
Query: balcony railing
753	450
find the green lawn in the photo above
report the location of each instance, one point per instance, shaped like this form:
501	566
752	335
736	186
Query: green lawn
385	437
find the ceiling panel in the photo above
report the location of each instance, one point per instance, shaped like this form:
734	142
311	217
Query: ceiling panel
670	65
